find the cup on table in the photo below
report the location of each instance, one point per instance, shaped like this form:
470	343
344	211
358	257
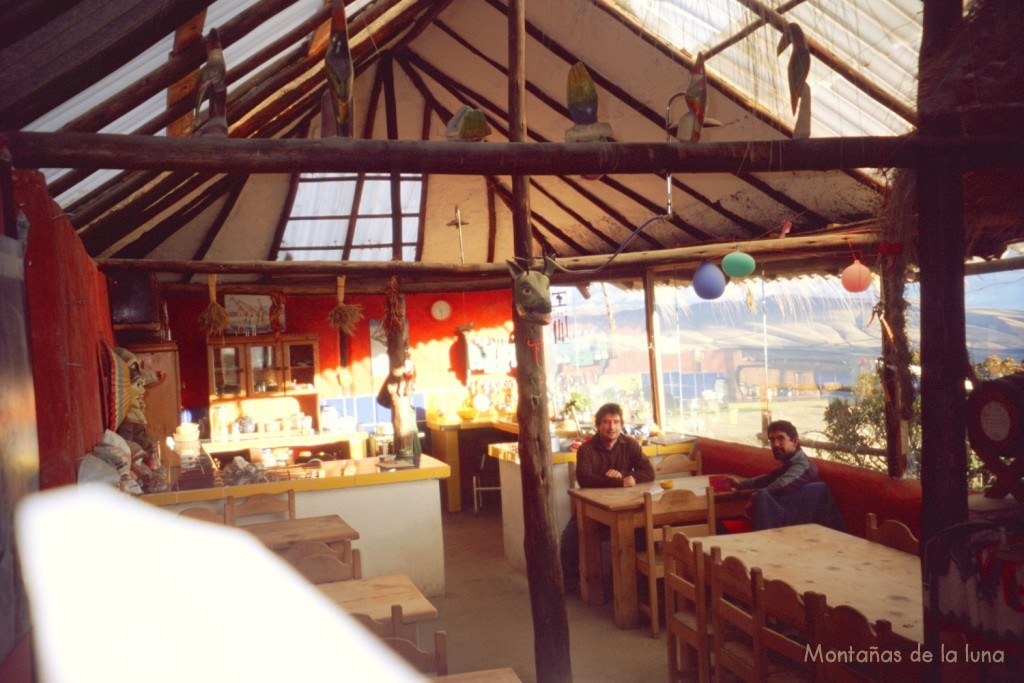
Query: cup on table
720	483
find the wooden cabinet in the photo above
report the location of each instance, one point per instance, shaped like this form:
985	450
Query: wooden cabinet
163	398
263	366
265	378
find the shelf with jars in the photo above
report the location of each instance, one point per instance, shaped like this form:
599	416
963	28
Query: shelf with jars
269	380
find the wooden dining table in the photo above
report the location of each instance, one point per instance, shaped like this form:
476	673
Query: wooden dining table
621	510
375	596
280	534
879	581
503	675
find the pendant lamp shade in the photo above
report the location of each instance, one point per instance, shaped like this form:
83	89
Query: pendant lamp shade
856	277
738	264
709	281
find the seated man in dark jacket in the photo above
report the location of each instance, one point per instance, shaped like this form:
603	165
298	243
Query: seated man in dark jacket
609	460
783	499
795	468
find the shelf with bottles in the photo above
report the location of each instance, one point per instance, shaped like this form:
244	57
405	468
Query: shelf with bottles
263	366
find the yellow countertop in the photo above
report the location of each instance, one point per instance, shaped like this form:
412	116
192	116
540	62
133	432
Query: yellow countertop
271	440
510	451
333	476
480	422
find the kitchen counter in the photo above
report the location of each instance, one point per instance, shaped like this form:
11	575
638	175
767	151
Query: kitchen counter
450	441
396	512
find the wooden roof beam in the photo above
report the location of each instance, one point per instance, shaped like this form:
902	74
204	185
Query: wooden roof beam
231	155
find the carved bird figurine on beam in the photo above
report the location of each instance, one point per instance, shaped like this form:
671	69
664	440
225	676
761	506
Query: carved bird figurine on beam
692	122
581	95
799	60
468	125
336	104
581	100
212	83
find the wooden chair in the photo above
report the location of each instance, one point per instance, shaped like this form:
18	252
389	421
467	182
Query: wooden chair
296	551
328	568
687	627
669	507
571	473
845	629
485	479
892	533
389	628
435	662
679	463
787	620
205	514
259	504
736	645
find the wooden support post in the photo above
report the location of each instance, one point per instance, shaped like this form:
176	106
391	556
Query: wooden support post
543	568
943	333
653	330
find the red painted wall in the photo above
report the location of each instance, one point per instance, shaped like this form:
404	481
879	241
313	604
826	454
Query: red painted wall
857	491
68	317
431	341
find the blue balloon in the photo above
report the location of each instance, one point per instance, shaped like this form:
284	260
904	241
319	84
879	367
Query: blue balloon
709	281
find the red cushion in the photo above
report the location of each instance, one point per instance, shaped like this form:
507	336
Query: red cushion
737	526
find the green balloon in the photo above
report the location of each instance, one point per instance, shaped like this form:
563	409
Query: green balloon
738	264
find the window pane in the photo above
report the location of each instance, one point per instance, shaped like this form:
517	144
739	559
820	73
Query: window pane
596	349
776	350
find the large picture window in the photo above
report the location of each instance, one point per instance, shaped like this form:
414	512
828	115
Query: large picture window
784	349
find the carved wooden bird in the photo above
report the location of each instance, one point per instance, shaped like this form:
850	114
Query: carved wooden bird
212	83
340	72
468	124
696	100
802	127
799	60
581	95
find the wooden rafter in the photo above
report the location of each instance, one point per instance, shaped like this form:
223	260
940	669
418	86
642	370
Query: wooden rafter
57	150
357	197
224	189
386	63
469	95
184	87
38	75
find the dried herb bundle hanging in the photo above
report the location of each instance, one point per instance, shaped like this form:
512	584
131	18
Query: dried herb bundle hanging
215	319
394	314
344	316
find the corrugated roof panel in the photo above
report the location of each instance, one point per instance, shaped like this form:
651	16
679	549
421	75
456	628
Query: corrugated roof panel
878	39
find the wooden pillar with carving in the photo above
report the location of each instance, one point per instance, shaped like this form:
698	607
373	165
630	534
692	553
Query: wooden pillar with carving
543	568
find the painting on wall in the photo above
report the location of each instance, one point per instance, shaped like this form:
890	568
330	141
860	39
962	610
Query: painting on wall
250	314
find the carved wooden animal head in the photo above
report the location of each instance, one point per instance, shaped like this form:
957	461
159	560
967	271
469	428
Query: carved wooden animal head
531	291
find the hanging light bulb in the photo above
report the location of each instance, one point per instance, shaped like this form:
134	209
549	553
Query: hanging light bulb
709	281
738	264
856	277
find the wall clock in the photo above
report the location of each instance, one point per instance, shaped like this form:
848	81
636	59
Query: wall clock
440	310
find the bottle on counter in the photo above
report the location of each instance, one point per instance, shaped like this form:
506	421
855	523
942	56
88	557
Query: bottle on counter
328	417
